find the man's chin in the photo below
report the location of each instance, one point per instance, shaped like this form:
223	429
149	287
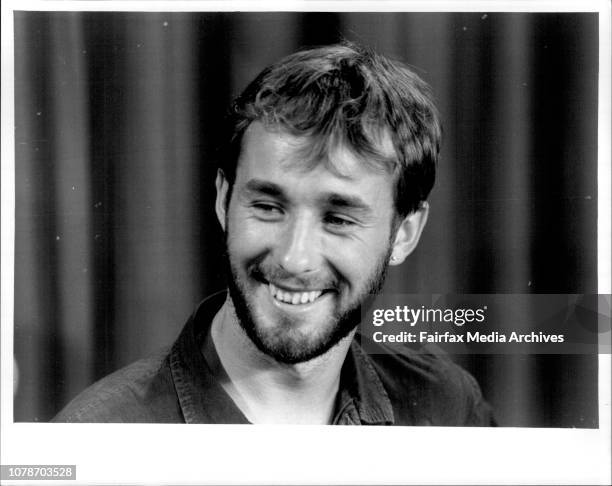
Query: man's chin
295	333
291	347
290	334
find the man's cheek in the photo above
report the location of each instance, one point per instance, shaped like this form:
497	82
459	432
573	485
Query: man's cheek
247	242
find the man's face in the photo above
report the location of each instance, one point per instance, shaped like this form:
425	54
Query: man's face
306	244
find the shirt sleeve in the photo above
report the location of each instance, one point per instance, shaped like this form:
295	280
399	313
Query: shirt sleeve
479	412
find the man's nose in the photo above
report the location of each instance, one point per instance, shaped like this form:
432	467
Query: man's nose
298	246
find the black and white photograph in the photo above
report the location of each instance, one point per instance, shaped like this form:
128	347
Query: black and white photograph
206	204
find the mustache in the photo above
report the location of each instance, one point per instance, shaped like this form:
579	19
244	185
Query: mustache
271	273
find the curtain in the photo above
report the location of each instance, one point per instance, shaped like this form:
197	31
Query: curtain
116	125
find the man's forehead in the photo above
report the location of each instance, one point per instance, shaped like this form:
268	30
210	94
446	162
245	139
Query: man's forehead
263	145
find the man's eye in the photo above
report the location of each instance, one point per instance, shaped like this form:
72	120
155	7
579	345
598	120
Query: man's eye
338	221
267	209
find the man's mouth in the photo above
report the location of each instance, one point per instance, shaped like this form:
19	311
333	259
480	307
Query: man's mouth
294	297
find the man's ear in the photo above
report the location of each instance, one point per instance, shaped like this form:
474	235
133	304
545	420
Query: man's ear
408	234
221	202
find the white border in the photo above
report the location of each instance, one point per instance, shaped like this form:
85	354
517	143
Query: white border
317	5
201	454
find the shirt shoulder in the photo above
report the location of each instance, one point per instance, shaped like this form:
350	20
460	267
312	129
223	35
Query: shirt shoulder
428	388
142	392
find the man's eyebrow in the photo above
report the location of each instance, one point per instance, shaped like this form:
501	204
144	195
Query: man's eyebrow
347	201
265	187
333	199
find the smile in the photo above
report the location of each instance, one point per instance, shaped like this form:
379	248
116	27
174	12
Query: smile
294	298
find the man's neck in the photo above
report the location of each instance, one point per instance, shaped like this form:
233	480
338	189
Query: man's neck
265	390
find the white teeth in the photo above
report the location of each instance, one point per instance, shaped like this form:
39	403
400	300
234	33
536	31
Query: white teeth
294	298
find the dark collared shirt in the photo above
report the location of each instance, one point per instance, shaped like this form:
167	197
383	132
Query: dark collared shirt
375	389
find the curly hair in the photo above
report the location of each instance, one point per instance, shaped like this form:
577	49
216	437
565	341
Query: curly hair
346	94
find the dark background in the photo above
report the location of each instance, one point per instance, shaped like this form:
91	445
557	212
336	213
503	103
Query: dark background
117	119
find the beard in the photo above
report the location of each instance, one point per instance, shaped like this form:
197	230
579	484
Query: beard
285	342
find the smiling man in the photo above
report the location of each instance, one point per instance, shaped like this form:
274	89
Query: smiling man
322	185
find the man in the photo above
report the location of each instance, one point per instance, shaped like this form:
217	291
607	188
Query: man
322	185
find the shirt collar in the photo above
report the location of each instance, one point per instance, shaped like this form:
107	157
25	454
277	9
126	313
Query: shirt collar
361	399
361	386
